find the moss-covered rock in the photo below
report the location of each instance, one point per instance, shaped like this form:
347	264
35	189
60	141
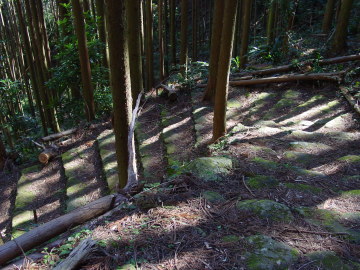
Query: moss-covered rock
210	168
299	157
327	260
266	164
309	146
350	158
268	254
261	181
303	187
351	193
213	196
266	209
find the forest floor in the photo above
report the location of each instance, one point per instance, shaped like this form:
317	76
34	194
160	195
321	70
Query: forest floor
280	191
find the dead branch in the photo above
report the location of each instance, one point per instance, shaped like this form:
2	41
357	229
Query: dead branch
49	230
58	135
350	99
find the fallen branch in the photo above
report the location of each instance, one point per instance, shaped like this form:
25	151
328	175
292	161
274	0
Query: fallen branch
248	189
77	255
49	230
47	155
286	68
59	135
350	99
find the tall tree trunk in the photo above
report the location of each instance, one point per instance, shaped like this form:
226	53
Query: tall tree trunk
161	38
270	26
328	16
134	36
87	88
194	29
215	50
246	16
120	83
184	37
222	82
3	155
149	45
173	31
100	14
339	41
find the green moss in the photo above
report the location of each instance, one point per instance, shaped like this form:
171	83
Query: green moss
233	103
261	181
303	187
210	168
267	164
309	146
268	254
327	260
351	193
213	196
299	157
31	169
230	239
266	209
350	158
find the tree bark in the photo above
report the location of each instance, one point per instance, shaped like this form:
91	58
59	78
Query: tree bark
100	14
161	39
328	16
222	82
56	136
47	155
215	50
194	29
149	45
134	34
120	84
173	31
246	16
184	37
350	99
270	26
88	94
339	41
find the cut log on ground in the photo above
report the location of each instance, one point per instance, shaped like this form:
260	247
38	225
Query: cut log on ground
169	92
56	136
350	99
332	77
49	230
47	155
287	68
77	255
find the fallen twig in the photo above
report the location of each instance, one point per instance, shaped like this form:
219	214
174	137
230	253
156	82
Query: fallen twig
243	180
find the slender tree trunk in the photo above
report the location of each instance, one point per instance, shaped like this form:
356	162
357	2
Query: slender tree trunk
184	37
194	29
166	36
173	31
246	11
87	88
222	82
215	50
270	26
149	45
134	36
120	83
161	38
339	41
328	16
100	14
3	154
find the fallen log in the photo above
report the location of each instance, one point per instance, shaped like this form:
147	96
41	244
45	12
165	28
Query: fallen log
169	92
49	230
77	255
286	68
350	99
334	77
58	135
47	155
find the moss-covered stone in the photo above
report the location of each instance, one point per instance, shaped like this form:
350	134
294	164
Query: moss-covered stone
350	158
303	187
210	168
213	196
351	193
266	209
299	157
266	164
327	260
309	146
330	220
230	239
261	181
233	103
268	254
